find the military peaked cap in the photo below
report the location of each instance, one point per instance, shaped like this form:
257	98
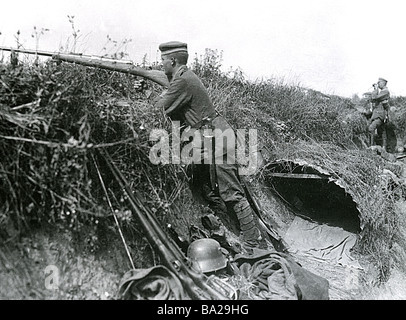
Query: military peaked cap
382	79
172	47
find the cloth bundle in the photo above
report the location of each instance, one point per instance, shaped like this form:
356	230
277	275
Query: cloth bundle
156	283
271	279
276	276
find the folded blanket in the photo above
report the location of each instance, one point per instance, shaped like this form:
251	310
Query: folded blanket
276	276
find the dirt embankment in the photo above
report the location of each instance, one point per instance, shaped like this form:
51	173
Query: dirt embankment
77	106
48	265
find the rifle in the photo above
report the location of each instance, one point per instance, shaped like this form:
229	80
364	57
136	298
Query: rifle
195	283
124	66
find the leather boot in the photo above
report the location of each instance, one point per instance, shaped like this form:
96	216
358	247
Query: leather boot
251	235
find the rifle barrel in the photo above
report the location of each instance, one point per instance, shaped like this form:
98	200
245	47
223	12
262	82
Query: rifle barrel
29	51
124	66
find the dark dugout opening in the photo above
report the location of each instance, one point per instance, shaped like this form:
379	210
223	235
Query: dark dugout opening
311	195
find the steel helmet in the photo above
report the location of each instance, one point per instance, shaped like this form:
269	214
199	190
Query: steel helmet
206	255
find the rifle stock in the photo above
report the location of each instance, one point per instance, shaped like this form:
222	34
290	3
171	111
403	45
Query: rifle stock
100	62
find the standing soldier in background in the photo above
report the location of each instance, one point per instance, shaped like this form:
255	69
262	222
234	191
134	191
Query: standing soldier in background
188	102
380	108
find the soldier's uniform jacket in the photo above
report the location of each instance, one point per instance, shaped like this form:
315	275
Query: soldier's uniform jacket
380	103
187	101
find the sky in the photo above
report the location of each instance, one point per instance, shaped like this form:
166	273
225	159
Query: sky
337	47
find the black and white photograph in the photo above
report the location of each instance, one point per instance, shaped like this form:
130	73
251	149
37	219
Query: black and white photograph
203	157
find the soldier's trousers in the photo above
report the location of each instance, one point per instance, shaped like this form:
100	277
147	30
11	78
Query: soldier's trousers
227	194
379	126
